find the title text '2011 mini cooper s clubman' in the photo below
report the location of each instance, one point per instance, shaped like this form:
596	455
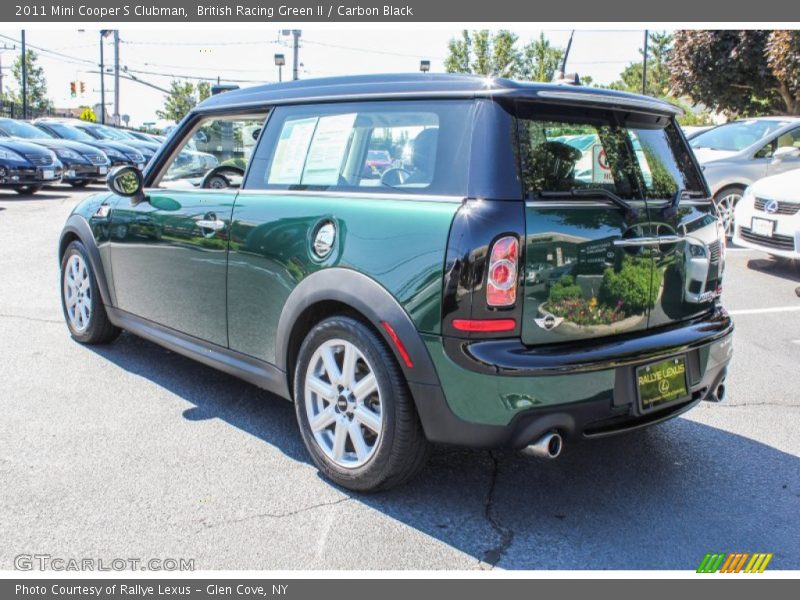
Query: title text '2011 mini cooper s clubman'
528	263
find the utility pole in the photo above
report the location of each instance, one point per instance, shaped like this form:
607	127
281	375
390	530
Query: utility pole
295	33
24	78
644	65
102	80
116	77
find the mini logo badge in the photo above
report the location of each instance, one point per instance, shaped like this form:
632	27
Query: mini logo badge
549	322
771	207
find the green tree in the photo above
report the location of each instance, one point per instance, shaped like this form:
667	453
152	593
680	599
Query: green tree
485	53
458	54
182	98
540	60
745	73
659	47
38	101
203	90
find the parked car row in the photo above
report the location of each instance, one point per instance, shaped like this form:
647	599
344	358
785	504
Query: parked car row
752	167
49	151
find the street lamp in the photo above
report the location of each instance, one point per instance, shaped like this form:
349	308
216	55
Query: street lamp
424	66
280	61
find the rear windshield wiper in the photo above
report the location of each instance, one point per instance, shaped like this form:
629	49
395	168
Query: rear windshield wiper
630	211
672	206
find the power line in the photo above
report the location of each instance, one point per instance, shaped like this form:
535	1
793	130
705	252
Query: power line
369	50
196	77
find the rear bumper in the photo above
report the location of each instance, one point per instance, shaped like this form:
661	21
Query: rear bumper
586	391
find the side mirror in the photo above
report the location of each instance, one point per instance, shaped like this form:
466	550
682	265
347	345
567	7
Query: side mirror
784	153
128	182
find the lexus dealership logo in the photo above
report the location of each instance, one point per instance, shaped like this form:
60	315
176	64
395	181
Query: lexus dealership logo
771	207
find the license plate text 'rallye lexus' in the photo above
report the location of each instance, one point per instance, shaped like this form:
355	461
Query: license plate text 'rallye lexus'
413	259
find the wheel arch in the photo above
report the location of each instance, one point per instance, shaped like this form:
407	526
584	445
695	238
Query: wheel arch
344	291
77	229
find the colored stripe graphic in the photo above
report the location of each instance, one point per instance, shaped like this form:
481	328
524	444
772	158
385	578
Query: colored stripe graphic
734	562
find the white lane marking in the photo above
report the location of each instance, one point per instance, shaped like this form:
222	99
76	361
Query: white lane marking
759	311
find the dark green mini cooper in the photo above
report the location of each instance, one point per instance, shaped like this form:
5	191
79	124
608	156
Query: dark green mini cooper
419	258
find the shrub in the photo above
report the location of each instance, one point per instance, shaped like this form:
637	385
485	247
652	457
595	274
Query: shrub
630	287
564	288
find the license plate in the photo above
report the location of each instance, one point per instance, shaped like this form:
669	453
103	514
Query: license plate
662	382
102	170
762	227
48	174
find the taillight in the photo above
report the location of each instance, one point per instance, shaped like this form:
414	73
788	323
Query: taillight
501	285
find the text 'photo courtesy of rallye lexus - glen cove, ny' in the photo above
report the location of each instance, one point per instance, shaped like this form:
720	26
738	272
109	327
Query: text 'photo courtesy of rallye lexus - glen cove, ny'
417	259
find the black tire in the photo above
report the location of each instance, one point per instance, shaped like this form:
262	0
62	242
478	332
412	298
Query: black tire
721	198
79	184
28	189
402	448
98	330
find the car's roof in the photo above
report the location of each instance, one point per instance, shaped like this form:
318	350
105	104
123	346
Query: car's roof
425	85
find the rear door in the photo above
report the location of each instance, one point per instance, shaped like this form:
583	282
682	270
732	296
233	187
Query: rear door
601	227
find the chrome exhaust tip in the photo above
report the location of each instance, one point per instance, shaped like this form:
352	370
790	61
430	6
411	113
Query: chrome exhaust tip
547	446
718	395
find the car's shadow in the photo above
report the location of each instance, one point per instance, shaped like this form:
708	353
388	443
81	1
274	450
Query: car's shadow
778	268
659	498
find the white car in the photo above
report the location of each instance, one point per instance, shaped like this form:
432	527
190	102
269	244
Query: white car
768	216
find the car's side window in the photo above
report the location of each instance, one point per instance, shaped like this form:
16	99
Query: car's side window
767	151
410	147
213	155
790	139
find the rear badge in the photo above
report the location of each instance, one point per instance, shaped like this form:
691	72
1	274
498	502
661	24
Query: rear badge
549	322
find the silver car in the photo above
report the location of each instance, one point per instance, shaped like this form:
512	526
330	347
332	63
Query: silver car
737	154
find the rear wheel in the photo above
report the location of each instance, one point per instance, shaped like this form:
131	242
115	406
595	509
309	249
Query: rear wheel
83	308
355	412
79	184
726	200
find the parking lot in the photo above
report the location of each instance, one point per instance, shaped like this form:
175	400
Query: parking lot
129	450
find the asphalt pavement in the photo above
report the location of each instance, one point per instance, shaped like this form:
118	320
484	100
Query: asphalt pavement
131	451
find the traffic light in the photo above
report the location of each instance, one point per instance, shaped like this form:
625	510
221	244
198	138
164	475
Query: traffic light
72	89
83	87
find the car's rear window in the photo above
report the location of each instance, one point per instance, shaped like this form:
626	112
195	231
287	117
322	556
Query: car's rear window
631	155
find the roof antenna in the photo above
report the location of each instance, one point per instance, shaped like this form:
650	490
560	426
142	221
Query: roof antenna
561	75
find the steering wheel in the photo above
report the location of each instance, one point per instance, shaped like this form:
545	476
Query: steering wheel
395	176
218	178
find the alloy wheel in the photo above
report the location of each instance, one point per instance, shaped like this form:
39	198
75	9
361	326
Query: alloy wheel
343	403
78	293
725	206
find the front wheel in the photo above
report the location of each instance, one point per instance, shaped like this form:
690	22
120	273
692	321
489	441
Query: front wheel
83	307
28	189
355	412
726	200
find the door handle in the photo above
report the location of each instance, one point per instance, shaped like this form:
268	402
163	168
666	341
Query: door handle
648	241
215	225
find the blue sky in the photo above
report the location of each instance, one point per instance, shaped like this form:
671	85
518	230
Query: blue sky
247	54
